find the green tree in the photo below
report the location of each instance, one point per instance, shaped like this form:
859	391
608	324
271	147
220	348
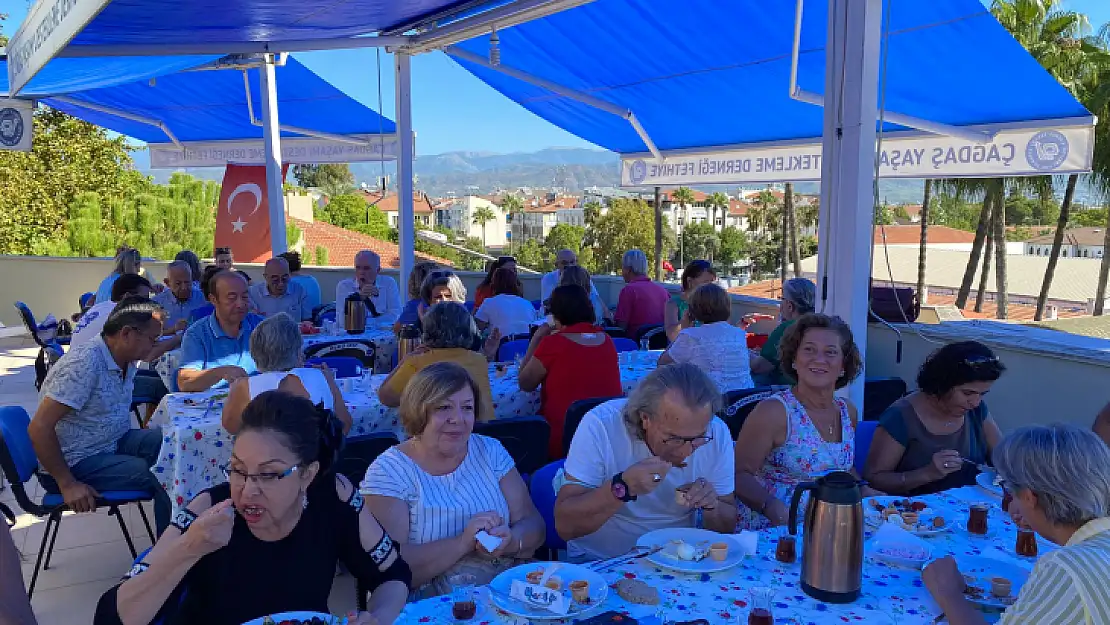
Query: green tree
628	224
328	177
700	241
590	213
715	202
883	215
532	255
513	207
483	216
732	246
321	256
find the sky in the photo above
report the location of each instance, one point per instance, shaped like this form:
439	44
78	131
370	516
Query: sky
452	110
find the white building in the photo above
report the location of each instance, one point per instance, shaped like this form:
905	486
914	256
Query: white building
458	215
1078	243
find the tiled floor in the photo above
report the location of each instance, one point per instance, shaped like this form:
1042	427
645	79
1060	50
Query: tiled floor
90	554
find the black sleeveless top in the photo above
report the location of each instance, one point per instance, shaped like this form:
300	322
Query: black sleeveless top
251	578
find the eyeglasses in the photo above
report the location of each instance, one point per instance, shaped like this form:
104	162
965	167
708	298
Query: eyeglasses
981	362
262	480
694	441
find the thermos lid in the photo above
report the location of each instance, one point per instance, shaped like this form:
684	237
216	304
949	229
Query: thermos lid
838	487
409	331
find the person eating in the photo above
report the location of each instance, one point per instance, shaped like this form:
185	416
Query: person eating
573	274
378	293
1059	476
798	298
563	259
216	350
181	297
711	342
648	462
443	485
934	438
193	261
641	301
276	294
307	282
268	540
485	287
675	317
506	311
801	431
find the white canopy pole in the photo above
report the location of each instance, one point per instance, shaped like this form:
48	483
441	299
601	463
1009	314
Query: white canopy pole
406	217
848	167
271	138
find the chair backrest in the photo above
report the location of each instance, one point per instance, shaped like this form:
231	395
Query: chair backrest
615	332
201	313
756	341
509	350
359	452
343	366
879	394
738	404
83	301
865	432
29	321
324	312
359	349
17	454
574	415
543	496
469	307
537	304
655	334
625	345
525	438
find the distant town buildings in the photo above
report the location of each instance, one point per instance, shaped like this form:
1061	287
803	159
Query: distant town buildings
1078	243
458	215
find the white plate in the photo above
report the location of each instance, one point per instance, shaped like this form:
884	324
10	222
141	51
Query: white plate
982	569
303	616
698	538
986	482
501	586
893	560
874	518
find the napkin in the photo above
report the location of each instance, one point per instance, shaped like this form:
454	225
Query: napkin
747	541
488	541
896	542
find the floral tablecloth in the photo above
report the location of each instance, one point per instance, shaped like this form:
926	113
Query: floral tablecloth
890	595
195	445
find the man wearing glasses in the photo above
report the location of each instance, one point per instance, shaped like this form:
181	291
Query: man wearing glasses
659	459
550	280
278	293
82	429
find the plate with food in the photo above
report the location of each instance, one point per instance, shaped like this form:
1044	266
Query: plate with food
913	515
991	583
690	550
991	482
904	556
299	618
584	589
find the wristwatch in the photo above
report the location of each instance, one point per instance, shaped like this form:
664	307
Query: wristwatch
620	489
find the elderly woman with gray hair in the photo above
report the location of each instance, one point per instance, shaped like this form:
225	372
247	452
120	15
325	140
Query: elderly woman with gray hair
798	298
1060	479
449	335
276	347
658	459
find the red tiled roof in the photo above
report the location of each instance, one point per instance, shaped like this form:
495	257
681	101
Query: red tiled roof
421	202
769	289
738	207
343	245
1014	311
911	234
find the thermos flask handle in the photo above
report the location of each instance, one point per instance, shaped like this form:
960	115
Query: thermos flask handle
795	499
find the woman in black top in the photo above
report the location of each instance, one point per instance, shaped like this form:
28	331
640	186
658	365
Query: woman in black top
268	540
933	439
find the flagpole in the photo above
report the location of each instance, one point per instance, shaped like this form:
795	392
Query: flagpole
271	137
406	218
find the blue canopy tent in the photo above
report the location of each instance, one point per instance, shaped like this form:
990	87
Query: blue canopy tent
696	83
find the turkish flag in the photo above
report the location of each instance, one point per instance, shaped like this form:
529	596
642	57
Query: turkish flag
243	214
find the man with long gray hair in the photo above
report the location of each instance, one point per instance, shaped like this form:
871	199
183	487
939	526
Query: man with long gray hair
1060	480
658	459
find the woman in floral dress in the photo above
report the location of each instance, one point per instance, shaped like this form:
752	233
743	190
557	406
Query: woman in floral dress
800	432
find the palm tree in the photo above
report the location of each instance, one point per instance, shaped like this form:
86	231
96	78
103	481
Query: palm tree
658	209
766	200
483	216
981	295
684	197
716	201
1000	298
792	228
924	239
971	187
513	206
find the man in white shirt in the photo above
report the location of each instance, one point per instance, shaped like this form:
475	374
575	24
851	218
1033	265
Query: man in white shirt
656	460
92	322
379	293
550	280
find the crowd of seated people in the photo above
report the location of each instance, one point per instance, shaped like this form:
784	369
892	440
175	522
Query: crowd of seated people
506	311
711	342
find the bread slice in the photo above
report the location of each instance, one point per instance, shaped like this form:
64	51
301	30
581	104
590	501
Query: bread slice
637	591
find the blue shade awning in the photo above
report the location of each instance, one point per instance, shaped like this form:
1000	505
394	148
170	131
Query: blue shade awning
68	75
706	73
211	105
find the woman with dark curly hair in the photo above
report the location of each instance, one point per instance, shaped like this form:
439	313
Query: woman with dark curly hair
801	431
932	439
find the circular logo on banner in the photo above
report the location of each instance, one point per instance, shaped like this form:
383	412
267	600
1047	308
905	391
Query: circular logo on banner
1047	150
11	127
637	172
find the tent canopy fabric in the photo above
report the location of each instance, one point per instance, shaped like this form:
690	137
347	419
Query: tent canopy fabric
211	105
693	88
61	76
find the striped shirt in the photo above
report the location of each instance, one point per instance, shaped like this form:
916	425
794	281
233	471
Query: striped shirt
441	505
1069	586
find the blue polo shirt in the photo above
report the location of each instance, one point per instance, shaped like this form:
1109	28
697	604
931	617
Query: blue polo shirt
206	346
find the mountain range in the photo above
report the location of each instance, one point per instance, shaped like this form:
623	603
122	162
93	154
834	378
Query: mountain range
573	169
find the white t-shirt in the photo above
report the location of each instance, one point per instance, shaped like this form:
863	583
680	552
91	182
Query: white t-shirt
603	447
509	313
92	322
720	350
313	380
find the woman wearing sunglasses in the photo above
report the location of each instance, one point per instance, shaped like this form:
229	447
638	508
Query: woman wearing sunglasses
933	439
269	539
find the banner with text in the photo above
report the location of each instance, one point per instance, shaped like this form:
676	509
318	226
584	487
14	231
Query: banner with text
293	150
49	26
1025	152
16	124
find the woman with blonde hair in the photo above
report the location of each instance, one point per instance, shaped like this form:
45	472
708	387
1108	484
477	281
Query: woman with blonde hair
436	491
410	314
128	260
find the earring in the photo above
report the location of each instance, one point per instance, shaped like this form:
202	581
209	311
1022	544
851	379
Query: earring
304	501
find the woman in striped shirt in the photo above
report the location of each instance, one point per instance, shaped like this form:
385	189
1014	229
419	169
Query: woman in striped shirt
1069	586
436	491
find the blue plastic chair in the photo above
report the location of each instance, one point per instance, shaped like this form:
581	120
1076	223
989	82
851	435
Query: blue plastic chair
33	327
543	496
625	345
509	350
201	313
469	307
865	432
537	304
343	366
18	461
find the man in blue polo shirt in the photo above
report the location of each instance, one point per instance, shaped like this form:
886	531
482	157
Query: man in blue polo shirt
216	350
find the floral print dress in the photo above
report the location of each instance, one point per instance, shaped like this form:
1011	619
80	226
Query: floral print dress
803	454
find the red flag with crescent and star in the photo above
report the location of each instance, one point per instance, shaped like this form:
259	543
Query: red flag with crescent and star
243	214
